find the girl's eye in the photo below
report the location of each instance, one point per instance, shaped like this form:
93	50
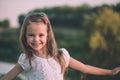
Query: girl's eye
41	35
30	35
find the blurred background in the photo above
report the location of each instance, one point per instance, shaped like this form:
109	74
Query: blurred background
88	29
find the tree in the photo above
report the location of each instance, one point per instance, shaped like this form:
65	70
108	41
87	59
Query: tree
104	38
5	23
21	19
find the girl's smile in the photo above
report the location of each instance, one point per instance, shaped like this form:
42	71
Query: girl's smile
37	35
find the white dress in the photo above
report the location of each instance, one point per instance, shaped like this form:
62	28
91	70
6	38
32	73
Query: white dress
42	68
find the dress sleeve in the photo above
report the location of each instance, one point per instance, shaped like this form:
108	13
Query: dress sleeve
24	62
66	56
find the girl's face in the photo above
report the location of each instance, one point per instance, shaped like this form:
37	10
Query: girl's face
36	35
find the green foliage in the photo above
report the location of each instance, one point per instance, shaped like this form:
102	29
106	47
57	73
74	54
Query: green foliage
107	30
65	16
9	48
5	24
97	41
21	19
102	28
117	7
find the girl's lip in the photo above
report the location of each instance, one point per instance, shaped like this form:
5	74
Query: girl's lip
36	44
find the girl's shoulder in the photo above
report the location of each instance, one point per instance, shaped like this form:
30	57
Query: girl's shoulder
65	53
22	57
24	63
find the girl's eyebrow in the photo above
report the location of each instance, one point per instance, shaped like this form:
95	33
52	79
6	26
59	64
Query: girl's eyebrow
33	33
29	33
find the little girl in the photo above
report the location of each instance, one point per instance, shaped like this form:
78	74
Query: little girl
41	60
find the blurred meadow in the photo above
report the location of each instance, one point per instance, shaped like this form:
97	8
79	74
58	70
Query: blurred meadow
90	34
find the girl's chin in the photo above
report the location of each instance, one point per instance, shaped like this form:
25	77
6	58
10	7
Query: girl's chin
37	49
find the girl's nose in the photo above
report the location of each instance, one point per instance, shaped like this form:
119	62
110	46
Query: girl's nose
36	38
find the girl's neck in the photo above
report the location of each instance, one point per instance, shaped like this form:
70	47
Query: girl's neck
42	53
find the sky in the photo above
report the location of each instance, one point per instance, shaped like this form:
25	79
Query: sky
11	9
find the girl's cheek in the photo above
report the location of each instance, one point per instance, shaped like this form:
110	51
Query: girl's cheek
29	39
42	39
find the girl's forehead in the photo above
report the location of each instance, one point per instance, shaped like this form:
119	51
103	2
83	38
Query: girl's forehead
36	26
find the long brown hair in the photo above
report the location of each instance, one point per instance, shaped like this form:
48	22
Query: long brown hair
51	43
